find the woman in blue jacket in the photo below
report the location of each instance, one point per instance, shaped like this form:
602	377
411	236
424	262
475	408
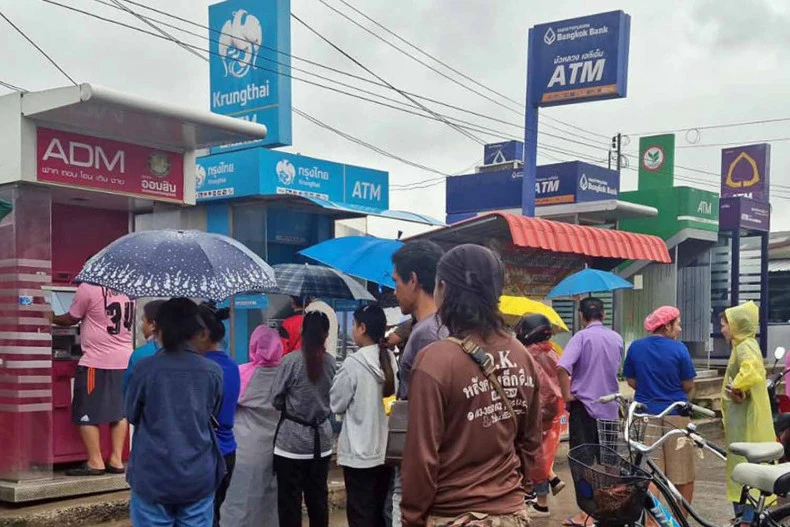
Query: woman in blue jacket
172	400
231	382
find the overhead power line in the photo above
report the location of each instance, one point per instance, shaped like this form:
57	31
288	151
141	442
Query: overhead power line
12	86
714	126
50	59
371	72
474	81
460	123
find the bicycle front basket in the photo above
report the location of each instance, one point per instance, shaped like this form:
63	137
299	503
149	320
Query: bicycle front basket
608	487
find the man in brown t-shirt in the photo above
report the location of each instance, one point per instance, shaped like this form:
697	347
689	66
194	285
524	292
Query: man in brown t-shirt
465	456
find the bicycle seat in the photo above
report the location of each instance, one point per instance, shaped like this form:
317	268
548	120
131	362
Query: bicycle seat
758	452
774	479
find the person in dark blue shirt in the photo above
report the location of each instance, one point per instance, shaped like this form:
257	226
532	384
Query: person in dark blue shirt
172	400
659	368
231	385
150	311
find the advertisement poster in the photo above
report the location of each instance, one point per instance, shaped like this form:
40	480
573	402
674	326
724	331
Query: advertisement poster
90	162
533	274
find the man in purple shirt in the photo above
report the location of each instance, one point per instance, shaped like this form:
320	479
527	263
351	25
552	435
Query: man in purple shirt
588	370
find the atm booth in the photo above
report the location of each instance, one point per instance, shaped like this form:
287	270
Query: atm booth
79	165
277	204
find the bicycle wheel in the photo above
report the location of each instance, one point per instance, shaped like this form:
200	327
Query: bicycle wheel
778	516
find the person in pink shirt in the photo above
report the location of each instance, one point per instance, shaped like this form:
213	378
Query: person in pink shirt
106	320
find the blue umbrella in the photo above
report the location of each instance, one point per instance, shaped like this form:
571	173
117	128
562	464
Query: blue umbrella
170	263
365	257
589	281
306	281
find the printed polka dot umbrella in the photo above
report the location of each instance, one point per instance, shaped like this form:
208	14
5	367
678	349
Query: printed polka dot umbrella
168	263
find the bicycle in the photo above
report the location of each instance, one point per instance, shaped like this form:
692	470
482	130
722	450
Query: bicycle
598	470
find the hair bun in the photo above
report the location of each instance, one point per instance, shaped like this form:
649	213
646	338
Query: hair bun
223	314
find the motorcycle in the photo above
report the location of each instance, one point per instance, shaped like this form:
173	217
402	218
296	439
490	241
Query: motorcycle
780	404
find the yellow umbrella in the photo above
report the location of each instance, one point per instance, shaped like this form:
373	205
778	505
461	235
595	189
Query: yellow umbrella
515	307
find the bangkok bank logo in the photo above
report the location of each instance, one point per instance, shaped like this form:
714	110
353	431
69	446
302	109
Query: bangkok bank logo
239	43
286	172
583	183
549	37
200	176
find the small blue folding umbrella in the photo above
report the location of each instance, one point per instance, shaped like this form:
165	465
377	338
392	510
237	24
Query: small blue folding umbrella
589	281
364	257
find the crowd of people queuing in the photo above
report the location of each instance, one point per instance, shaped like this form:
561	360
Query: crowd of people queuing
216	443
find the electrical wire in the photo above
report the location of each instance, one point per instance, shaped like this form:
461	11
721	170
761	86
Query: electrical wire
454	70
371	72
50	59
480	129
715	126
357	77
12	87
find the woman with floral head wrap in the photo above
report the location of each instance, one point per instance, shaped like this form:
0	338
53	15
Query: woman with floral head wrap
746	410
660	369
252	494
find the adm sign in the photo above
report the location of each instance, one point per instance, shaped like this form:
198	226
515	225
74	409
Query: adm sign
579	59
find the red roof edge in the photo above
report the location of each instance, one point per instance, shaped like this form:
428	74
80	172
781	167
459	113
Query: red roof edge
562	237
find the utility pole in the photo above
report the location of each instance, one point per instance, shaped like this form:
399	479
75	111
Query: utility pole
617	150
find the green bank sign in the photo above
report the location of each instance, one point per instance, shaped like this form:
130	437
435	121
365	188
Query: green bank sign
678	208
657	162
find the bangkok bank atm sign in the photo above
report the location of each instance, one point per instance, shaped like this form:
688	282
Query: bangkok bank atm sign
77	160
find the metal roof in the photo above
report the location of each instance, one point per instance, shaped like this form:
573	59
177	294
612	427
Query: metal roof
547	235
102	112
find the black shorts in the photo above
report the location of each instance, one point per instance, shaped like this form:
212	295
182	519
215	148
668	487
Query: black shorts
98	396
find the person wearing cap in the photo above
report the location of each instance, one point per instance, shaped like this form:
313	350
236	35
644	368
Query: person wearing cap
659	368
535	332
468	456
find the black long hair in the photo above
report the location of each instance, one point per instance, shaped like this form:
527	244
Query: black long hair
473	277
375	322
315	330
212	317
177	322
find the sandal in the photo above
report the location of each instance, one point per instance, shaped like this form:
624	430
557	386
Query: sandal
84	470
114	470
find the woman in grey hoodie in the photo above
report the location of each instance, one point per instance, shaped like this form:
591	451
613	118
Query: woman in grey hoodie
364	379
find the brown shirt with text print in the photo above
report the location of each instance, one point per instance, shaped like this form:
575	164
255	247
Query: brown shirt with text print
463	452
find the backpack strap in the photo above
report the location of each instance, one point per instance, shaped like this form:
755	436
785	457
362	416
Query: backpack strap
487	366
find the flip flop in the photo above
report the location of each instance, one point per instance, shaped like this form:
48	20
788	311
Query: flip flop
84	470
114	470
570	522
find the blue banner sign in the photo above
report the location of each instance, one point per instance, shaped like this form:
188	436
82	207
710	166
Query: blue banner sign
229	175
264	172
503	152
250	65
556	184
575	182
580	59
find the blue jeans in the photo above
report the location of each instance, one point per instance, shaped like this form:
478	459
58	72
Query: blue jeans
145	513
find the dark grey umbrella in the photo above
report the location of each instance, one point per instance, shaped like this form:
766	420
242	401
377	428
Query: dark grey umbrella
304	281
170	263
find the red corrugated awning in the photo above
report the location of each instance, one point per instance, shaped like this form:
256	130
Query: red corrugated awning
547	235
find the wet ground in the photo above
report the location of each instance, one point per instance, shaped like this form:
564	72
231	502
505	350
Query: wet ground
709	497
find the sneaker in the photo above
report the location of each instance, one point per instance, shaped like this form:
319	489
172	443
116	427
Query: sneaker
530	497
557	486
536	511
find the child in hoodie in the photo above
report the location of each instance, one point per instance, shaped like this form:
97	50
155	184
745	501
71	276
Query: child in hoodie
365	378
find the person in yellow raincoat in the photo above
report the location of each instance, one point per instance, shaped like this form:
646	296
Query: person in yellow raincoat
746	410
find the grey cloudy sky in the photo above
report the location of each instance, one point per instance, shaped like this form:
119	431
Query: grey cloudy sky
693	63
